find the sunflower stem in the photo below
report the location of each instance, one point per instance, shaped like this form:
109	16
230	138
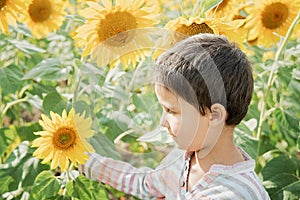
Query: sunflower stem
197	7
118	139
271	80
130	85
289	33
77	85
10	104
69	171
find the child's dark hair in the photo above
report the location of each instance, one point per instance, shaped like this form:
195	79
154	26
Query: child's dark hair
205	69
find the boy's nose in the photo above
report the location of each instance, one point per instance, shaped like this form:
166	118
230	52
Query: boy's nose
163	121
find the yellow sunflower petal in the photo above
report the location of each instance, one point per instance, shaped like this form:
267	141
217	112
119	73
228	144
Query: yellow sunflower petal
45	16
228	9
46	119
42	141
181	28
48	157
64	139
111	29
55	161
64	113
270	17
63	162
11	12
43	133
41	151
107	4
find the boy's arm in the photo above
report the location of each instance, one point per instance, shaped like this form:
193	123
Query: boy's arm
122	176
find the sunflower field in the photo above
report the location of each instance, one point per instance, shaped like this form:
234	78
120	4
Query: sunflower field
75	77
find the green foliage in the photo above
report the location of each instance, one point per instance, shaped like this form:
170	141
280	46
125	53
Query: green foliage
298	143
7	137
19	170
10	79
281	177
209	4
53	102
272	137
45	186
83	188
49	69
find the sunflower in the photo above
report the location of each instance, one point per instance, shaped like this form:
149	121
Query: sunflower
116	33
45	16
228	9
63	139
153	6
270	19
12	11
181	28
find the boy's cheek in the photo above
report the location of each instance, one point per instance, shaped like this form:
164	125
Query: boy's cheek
174	126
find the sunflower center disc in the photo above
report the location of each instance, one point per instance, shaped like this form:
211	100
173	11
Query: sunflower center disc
64	138
115	28
274	15
40	10
2	3
193	29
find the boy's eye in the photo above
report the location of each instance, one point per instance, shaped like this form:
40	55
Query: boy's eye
169	111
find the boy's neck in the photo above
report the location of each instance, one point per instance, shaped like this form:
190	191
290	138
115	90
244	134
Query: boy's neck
224	152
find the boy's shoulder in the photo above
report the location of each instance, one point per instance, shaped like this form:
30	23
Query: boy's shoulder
238	181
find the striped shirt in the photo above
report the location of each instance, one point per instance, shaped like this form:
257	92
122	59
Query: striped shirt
168	180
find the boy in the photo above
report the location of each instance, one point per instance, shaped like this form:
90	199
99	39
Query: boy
204	85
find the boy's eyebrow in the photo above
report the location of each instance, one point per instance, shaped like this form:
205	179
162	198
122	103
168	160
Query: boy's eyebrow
168	106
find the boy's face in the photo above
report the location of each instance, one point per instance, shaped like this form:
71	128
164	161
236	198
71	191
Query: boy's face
185	124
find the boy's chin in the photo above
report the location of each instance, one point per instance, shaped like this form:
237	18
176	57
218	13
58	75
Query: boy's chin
183	147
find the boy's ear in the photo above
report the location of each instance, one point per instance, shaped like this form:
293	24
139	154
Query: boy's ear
218	117
218	114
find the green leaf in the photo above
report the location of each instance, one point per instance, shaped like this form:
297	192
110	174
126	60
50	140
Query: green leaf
115	92
45	186
10	79
291	192
280	165
247	142
109	126
296	74
209	4
26	47
4	182
41	88
50	69
104	146
145	102
7	136
81	107
26	132
283	186
61	197
281	178
294	86
22	167
83	188
54	102
298	143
